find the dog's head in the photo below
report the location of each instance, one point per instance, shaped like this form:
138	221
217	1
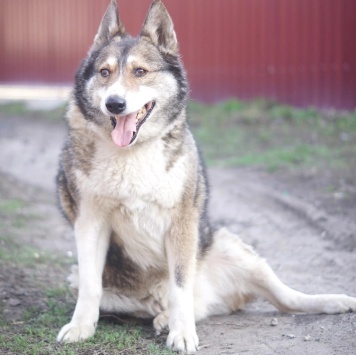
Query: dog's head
133	87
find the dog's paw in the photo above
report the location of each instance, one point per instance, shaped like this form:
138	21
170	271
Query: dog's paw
183	341
72	333
340	304
161	322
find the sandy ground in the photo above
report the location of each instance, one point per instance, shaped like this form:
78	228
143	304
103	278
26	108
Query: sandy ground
287	219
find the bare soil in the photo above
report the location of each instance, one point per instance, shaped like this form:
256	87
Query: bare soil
303	227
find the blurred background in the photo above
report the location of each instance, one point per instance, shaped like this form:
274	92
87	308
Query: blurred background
299	52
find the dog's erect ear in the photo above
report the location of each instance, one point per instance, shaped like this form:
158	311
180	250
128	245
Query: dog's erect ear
158	27
110	26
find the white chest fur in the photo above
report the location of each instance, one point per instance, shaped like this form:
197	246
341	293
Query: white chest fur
138	193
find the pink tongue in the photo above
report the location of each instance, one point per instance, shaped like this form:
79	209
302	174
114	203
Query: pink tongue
123	132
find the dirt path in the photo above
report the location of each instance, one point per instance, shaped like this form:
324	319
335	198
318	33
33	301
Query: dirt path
309	248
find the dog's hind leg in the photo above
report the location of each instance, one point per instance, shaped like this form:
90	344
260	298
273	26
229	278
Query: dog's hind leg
265	283
232	273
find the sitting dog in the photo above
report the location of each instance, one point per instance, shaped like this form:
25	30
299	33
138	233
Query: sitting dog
133	186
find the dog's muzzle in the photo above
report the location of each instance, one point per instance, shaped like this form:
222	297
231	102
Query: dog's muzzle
126	127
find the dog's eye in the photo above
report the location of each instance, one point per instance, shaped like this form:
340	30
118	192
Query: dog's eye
104	73
139	72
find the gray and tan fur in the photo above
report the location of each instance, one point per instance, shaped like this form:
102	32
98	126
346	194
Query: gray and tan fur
134	189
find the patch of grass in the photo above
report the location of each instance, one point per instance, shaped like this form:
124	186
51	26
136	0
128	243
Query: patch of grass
20	108
275	159
24	255
108	339
14	108
38	336
12	211
36	333
16	216
267	134
11	206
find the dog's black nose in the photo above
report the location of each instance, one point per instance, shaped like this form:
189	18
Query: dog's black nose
115	104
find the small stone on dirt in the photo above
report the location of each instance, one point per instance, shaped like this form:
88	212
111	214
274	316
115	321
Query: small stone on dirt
307	337
289	336
14	302
274	322
19	292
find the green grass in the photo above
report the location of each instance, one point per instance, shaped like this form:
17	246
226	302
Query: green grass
41	339
11	206
11	210
17	108
36	332
16	217
20	108
273	136
38	336
27	256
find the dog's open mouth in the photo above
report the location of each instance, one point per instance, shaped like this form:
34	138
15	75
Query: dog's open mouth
126	127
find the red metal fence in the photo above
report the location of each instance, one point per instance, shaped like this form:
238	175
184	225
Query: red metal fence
301	52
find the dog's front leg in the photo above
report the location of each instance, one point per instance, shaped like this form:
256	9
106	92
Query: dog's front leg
181	247
92	234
